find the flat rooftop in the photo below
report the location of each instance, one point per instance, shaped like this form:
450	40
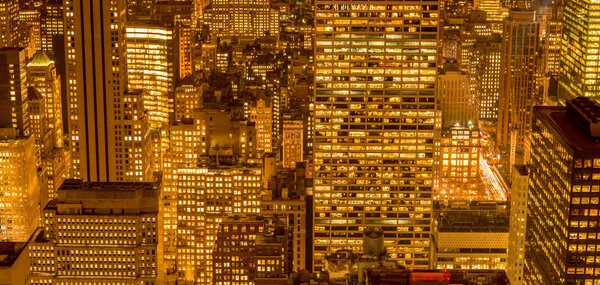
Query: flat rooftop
477	217
9	252
75	184
572	135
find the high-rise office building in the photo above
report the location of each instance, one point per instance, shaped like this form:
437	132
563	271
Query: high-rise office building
292	143
52	25
95	232
457	175
150	62
471	235
14	106
188	97
96	76
245	18
518	224
133	148
564	182
455	99
552	41
29	29
251	250
204	196
39	122
19	190
579	60
261	115
374	116
517	77
493	8
179	15
42	76
56	165
487	78
9	23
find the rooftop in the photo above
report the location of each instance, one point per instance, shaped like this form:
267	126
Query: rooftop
475	217
40	59
573	137
9	252
76	184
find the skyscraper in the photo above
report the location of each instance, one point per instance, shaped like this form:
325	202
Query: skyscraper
517	77
552	41
14	106
133	149
244	18
98	232
52	25
564	182
487	78
374	113
9	23
95	44
19	191
292	143
518	224
455	99
150	58
42	76
457	175
579	51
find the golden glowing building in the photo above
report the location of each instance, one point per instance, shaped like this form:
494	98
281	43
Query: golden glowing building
180	15
42	76
184	140
206	176
244	18
455	99
552	41
9	23
562	201
188	98
52	26
204	196
374	116
518	224
95	232
517	78
579	55
458	173
471	235
19	190
14	106
96	81
487	78
261	116
150	68
133	140
56	164
39	123
494	9
29	30
251	250
293	141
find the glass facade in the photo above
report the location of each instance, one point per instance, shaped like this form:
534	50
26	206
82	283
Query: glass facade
375	68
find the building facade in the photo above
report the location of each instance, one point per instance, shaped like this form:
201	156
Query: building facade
564	183
150	61
578	62
19	190
94	232
96	82
374	116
